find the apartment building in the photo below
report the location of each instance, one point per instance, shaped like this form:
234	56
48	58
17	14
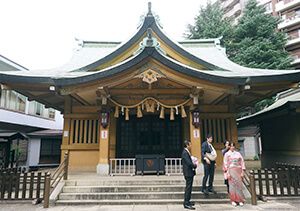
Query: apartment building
287	10
30	133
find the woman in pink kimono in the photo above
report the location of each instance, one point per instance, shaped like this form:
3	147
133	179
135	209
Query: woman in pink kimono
234	167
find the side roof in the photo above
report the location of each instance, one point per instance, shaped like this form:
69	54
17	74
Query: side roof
9	65
284	100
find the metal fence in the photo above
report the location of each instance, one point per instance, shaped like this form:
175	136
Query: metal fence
127	166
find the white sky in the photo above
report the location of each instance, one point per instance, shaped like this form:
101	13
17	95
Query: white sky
39	34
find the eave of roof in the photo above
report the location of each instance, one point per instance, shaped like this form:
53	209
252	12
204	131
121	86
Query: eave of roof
280	107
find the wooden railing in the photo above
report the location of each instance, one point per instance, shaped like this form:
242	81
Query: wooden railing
277	182
51	182
294	172
249	183
15	185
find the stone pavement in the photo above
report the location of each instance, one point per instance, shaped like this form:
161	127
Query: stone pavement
270	205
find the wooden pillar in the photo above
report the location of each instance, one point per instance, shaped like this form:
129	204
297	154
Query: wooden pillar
113	137
67	124
233	125
103	164
195	137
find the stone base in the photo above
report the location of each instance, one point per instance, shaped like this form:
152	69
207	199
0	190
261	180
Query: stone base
102	169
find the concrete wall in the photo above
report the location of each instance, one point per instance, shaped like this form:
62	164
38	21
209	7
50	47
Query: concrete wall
18	118
34	147
250	148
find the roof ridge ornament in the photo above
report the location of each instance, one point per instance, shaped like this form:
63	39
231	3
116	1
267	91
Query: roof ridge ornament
149	41
149	9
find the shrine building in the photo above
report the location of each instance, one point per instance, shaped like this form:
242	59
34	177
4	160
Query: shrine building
146	96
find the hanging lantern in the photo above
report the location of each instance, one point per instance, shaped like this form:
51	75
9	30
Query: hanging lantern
183	113
104	116
122	110
162	113
116	112
196	118
172	114
139	113
127	114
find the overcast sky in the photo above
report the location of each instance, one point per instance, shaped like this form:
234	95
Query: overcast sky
39	34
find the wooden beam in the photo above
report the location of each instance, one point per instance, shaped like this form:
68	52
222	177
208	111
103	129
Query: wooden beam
80	99
255	94
219	99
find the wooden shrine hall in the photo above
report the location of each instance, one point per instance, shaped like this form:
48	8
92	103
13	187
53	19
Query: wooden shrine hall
145	96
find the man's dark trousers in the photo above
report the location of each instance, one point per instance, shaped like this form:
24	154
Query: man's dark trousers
188	189
209	173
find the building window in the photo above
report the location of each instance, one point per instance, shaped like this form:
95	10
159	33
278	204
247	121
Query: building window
50	151
51	113
12	100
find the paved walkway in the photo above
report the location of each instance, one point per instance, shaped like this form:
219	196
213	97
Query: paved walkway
271	205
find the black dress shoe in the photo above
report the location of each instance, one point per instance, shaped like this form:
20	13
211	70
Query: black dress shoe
204	191
189	207
212	191
191	203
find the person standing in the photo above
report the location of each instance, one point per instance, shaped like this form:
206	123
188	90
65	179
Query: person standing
226	149
188	173
209	156
234	167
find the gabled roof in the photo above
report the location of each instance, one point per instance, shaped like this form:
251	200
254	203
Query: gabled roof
201	59
208	53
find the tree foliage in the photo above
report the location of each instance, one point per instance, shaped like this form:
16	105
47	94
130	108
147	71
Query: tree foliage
210	24
256	41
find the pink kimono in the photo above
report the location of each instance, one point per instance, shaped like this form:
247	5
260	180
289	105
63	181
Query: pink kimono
234	165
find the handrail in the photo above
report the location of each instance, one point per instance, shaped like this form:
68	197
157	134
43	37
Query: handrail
52	181
249	183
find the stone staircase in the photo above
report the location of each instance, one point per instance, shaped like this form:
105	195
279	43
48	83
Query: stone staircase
136	190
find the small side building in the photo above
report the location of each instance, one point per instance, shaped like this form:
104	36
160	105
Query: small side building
30	132
279	129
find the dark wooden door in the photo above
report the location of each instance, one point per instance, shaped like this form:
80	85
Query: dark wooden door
149	135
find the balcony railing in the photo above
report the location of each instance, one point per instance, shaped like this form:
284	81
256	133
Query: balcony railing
234	11
285	5
292	40
289	21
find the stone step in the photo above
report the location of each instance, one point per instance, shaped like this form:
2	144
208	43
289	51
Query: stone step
130	188
142	202
137	196
133	182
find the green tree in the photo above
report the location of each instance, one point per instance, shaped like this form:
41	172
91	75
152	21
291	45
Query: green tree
210	24
256	41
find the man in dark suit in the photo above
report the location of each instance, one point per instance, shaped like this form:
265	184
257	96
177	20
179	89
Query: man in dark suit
209	165
188	173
